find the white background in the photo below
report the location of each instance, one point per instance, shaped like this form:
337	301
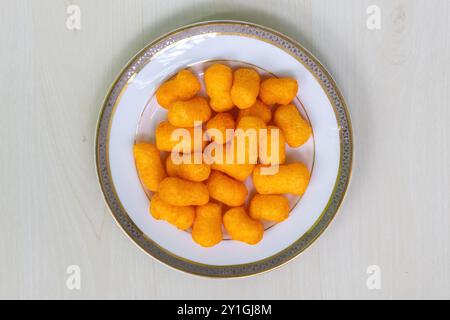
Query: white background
396	82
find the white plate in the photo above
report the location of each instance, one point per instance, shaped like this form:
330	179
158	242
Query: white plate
130	113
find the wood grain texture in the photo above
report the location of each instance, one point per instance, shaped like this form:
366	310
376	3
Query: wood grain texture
396	82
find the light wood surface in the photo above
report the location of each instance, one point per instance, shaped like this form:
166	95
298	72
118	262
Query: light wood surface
396	82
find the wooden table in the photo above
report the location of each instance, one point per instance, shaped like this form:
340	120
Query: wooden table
396	83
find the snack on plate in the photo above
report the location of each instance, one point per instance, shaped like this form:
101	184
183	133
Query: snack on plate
148	164
221	122
237	171
241	227
166	142
184	86
259	109
251	122
207	229
265	147
226	190
278	91
291	178
296	130
269	207
218	82
245	88
229	163
188	169
180	217
199	180
185	113
180	192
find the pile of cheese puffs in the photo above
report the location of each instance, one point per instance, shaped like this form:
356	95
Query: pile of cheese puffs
204	196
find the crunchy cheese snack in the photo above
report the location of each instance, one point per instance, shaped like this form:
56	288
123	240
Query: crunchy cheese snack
206	167
221	122
181	193
165	142
226	190
269	207
229	163
186	113
265	147
296	130
241	227
278	91
245	88
207	229
148	164
183	86
291	178
259	109
181	217
218	82
189	169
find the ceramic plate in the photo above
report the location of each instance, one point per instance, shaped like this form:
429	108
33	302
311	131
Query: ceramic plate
130	113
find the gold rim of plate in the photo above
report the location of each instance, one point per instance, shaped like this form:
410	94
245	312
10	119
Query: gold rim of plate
244	29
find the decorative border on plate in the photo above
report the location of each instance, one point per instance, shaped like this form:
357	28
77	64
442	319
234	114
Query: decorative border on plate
249	30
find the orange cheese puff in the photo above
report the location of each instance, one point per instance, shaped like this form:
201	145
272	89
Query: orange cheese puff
184	86
296	130
148	164
181	217
269	207
226	190
278	91
186	113
241	227
230	166
207	229
179	192
245	88
184	143
265	147
218	82
291	178
251	122
259	109
188	169
221	122
238	171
